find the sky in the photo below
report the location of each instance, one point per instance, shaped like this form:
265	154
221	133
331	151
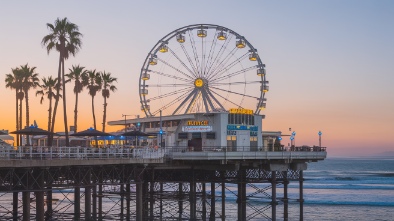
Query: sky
330	64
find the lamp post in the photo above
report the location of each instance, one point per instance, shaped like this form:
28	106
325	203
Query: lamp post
320	133
125	125
293	135
161	131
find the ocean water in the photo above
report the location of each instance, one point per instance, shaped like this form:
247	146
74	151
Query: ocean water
334	189
349	189
359	189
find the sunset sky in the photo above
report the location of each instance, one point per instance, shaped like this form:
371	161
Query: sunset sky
330	64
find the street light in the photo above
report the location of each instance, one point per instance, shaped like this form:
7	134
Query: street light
293	135
320	133
125	125
161	131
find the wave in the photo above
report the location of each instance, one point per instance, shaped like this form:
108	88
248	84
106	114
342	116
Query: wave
345	178
350	186
349	203
384	174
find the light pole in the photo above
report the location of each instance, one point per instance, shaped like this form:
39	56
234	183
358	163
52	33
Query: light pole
125	125
161	131
320	133
293	135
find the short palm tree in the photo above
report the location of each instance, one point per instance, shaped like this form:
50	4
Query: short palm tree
107	86
14	82
65	38
94	86
80	78
48	88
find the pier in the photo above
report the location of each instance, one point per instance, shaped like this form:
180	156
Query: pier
171	183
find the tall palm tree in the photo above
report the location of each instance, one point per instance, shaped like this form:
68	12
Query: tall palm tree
48	88
80	78
65	37
14	82
107	86
94	86
30	80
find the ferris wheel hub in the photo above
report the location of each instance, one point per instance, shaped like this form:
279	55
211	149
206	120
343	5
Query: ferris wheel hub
199	82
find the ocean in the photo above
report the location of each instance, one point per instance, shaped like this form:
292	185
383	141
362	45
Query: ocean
349	189
334	189
360	189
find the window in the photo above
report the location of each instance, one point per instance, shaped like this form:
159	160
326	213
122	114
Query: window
182	135
211	135
196	135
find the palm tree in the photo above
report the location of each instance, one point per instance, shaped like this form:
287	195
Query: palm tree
65	37
94	86
14	81
107	82
48	88
30	80
80	78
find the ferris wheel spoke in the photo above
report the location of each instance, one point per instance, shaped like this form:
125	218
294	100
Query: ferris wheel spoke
192	101
218	56
190	60
228	67
232	92
214	98
171	76
237	105
234	83
204	99
174	101
176	69
170	94
220	78
207	99
223	61
183	63
169	85
185	100
193	44
210	54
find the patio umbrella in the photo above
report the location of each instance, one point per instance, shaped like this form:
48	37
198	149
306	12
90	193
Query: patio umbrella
32	130
2	133
91	132
135	134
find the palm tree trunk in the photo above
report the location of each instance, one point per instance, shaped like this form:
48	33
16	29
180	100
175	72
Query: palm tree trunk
20	118
49	112
64	106
94	116
50	139
76	113
94	120
27	116
105	112
17	117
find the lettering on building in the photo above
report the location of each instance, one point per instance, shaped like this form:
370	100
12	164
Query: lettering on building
240	111
197	123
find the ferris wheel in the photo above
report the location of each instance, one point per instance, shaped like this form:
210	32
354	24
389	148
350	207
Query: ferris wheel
202	68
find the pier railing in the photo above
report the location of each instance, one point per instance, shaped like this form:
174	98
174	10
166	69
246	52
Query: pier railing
53	153
127	152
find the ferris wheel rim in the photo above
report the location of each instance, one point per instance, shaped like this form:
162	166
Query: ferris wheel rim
172	35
